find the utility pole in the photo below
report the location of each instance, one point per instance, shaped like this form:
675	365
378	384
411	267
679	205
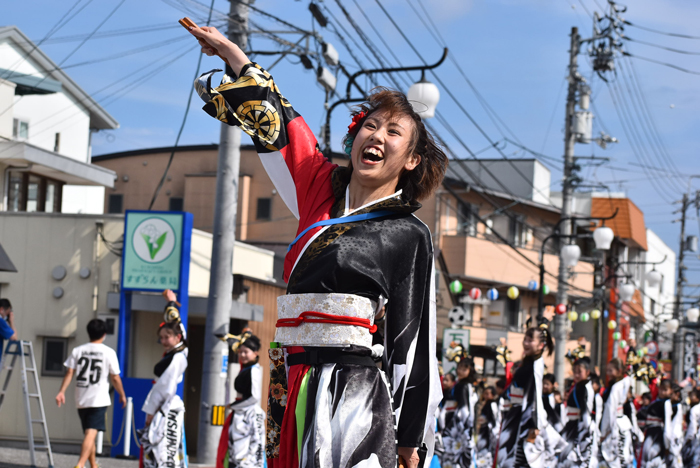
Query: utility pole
566	206
677	338
213	391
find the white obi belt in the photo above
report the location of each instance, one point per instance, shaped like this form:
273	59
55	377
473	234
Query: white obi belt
517	395
323	319
573	413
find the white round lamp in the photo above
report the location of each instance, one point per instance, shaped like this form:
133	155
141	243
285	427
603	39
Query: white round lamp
672	326
627	292
693	314
654	278
570	254
424	97
603	237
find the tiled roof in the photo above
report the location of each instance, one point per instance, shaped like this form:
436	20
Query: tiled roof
628	225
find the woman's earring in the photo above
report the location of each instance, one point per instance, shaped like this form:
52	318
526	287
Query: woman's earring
348	145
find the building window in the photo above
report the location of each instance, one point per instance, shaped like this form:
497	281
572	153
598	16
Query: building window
176	203
264	210
518	233
513	312
20	129
55	351
32	192
467	220
116	203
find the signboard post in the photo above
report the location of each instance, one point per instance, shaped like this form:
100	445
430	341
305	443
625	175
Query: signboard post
460	335
155	257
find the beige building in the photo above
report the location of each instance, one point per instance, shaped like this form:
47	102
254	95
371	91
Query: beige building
67	276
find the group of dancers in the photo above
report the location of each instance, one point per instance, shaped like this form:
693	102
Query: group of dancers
242	442
523	421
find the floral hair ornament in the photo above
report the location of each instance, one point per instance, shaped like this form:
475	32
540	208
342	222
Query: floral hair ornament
356	119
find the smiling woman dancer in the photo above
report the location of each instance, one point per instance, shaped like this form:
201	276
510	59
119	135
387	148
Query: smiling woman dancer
367	268
521	442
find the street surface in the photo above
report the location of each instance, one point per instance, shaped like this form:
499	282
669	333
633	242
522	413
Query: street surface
19	458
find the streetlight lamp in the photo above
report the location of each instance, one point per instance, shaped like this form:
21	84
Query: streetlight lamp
426	95
654	278
603	237
423	93
627	292
571	253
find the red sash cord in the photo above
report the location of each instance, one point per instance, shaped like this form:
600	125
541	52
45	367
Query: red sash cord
326	318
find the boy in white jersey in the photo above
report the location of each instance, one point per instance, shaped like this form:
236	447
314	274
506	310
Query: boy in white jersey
96	365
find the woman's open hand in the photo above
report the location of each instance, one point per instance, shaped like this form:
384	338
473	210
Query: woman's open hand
215	43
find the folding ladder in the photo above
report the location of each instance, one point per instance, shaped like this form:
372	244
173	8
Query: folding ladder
24	351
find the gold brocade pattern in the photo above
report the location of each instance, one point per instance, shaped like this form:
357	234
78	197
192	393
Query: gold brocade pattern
261	118
277	402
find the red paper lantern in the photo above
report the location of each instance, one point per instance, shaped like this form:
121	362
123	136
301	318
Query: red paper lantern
560	309
475	293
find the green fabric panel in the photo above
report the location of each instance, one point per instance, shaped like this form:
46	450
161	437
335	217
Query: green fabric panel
226	460
300	410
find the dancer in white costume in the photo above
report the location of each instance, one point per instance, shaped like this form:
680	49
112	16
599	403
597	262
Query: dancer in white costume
161	439
691	446
242	443
615	428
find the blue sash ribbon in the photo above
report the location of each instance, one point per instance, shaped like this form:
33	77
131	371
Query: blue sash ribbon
346	219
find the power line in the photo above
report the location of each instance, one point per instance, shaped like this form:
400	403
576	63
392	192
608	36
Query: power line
633	143
71	52
649	117
117	32
54	29
475	178
461	107
651	44
665	64
644	129
182	125
683	36
137	80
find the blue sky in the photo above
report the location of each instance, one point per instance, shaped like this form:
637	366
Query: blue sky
515	52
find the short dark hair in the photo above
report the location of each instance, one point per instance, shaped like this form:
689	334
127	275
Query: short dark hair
5	304
501	383
595	379
96	329
616	364
427	176
665	383
468	363
646	395
584	362
549	378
